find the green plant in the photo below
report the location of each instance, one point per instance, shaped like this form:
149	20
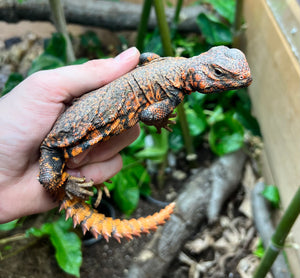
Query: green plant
276	243
66	243
271	193
260	250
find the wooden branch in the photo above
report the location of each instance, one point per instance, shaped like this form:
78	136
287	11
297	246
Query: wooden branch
191	210
107	14
262	219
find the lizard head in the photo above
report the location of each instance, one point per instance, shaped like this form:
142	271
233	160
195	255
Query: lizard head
219	69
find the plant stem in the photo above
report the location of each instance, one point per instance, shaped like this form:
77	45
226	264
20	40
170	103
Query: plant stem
163	27
167	46
142	29
237	23
59	19
188	141
21	249
177	11
278	238
12	238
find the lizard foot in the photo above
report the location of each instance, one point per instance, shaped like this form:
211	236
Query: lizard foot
100	188
77	187
165	123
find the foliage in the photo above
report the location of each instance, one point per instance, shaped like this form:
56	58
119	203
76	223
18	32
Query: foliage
54	55
271	193
8	226
259	250
215	25
129	183
66	243
91	45
13	80
226	136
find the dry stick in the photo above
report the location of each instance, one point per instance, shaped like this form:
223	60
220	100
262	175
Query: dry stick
190	212
111	15
262	219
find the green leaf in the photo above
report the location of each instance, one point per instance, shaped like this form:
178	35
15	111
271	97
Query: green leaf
9	225
44	62
247	120
154	153
271	193
226	136
153	43
176	139
68	249
54	56
129	183
138	143
57	47
197	121
79	61
13	80
67	244
216	115
260	250
91	45
215	33
126	193
224	8
196	100
243	113
158	149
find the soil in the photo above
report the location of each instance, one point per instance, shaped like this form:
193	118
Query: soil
232	238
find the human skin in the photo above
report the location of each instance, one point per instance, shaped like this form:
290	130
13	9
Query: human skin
27	114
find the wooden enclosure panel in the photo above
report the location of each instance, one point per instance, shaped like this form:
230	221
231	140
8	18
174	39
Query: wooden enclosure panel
275	94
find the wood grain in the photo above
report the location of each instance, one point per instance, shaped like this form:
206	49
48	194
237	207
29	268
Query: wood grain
275	95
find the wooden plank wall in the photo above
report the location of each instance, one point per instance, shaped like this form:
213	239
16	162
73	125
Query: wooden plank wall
275	95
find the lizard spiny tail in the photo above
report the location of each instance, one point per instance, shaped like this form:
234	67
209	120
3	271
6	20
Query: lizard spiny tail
99	224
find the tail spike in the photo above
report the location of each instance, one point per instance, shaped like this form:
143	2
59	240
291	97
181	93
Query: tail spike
84	228
68	213
75	220
98	224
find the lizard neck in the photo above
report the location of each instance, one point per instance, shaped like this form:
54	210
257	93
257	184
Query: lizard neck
194	81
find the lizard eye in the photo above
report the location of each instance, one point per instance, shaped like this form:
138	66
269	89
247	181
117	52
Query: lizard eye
218	72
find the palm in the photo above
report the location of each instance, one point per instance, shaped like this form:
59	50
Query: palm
29	112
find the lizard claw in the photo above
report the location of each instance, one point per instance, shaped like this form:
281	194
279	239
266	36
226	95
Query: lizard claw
166	123
100	188
76	187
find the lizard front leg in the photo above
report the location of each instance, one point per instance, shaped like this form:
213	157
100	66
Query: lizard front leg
158	114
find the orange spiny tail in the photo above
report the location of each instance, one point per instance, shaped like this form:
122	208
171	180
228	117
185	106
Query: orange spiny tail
96	223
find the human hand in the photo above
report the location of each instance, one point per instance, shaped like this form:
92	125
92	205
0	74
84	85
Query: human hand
28	113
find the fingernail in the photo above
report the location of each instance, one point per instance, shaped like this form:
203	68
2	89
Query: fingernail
127	54
77	161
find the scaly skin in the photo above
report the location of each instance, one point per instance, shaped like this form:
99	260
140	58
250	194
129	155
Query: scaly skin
149	94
